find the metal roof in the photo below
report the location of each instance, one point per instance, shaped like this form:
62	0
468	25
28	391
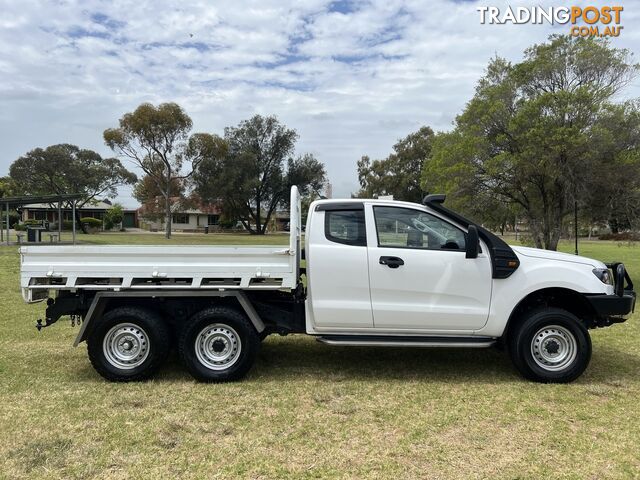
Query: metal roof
94	205
28	199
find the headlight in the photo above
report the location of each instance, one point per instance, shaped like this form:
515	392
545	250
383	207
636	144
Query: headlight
603	274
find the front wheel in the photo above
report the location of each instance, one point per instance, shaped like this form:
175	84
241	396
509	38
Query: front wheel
218	345
551	345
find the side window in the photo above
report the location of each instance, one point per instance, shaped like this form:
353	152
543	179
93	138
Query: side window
345	226
407	228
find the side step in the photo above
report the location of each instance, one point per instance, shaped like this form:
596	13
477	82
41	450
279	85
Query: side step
406	341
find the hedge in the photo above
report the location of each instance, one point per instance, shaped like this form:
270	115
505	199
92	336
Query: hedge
91	222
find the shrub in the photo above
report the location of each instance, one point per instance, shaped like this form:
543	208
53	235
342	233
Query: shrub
622	236
91	222
113	217
21	227
14	219
226	224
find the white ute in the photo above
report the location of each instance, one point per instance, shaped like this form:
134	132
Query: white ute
378	273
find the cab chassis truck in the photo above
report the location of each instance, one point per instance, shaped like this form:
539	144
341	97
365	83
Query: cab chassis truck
378	273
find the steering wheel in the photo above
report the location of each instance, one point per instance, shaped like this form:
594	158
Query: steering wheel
419	225
450	244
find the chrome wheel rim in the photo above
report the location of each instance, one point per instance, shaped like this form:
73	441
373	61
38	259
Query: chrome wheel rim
554	348
126	346
218	346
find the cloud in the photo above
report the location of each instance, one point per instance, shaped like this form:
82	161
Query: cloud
351	76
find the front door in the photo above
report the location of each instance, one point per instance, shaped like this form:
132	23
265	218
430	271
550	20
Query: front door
419	276
337	257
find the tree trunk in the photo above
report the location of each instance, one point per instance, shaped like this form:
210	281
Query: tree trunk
270	211
554	238
259	230
80	224
552	224
534	230
167	217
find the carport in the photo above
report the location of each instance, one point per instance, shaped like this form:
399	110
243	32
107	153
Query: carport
14	202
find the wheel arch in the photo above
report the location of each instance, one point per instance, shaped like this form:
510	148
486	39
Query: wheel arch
558	297
104	301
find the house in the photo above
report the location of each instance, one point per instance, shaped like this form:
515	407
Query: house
184	217
192	215
280	220
97	209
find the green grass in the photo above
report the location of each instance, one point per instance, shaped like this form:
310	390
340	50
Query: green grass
312	411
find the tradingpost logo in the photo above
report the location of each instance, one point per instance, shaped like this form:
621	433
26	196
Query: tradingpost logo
585	21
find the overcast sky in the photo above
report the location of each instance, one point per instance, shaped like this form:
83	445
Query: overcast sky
351	77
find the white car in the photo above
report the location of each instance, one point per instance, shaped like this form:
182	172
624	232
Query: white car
378	273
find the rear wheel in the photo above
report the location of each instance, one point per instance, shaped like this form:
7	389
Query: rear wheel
550	345
219	345
128	344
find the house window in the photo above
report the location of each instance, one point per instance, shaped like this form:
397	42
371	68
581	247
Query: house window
213	219
180	218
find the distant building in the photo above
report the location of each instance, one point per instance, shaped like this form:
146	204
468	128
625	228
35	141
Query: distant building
97	209
194	216
191	218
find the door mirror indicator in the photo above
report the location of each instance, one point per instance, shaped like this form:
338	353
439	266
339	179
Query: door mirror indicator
472	242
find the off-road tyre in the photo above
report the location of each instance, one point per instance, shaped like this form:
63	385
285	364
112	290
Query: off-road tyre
219	344
143	329
550	345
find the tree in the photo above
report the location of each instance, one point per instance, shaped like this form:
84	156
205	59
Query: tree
528	136
113	216
7	187
614	193
64	169
156	140
399	174
146	191
251	179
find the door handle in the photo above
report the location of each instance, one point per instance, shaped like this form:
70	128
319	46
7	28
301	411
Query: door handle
391	262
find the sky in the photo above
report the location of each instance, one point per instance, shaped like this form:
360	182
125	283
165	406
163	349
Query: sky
352	77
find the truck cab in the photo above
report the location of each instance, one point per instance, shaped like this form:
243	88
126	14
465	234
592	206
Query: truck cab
385	267
378	273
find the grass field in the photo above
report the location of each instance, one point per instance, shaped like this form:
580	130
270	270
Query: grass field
312	411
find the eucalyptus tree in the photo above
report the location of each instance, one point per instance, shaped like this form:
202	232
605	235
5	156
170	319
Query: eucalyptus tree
158	141
536	133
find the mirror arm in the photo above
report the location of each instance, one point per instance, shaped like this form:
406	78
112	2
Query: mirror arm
473	241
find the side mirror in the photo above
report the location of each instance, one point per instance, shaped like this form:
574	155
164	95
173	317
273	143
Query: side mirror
472	242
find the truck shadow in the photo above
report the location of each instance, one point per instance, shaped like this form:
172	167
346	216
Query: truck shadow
303	357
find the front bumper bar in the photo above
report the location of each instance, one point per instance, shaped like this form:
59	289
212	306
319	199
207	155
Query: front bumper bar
615	308
613	305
